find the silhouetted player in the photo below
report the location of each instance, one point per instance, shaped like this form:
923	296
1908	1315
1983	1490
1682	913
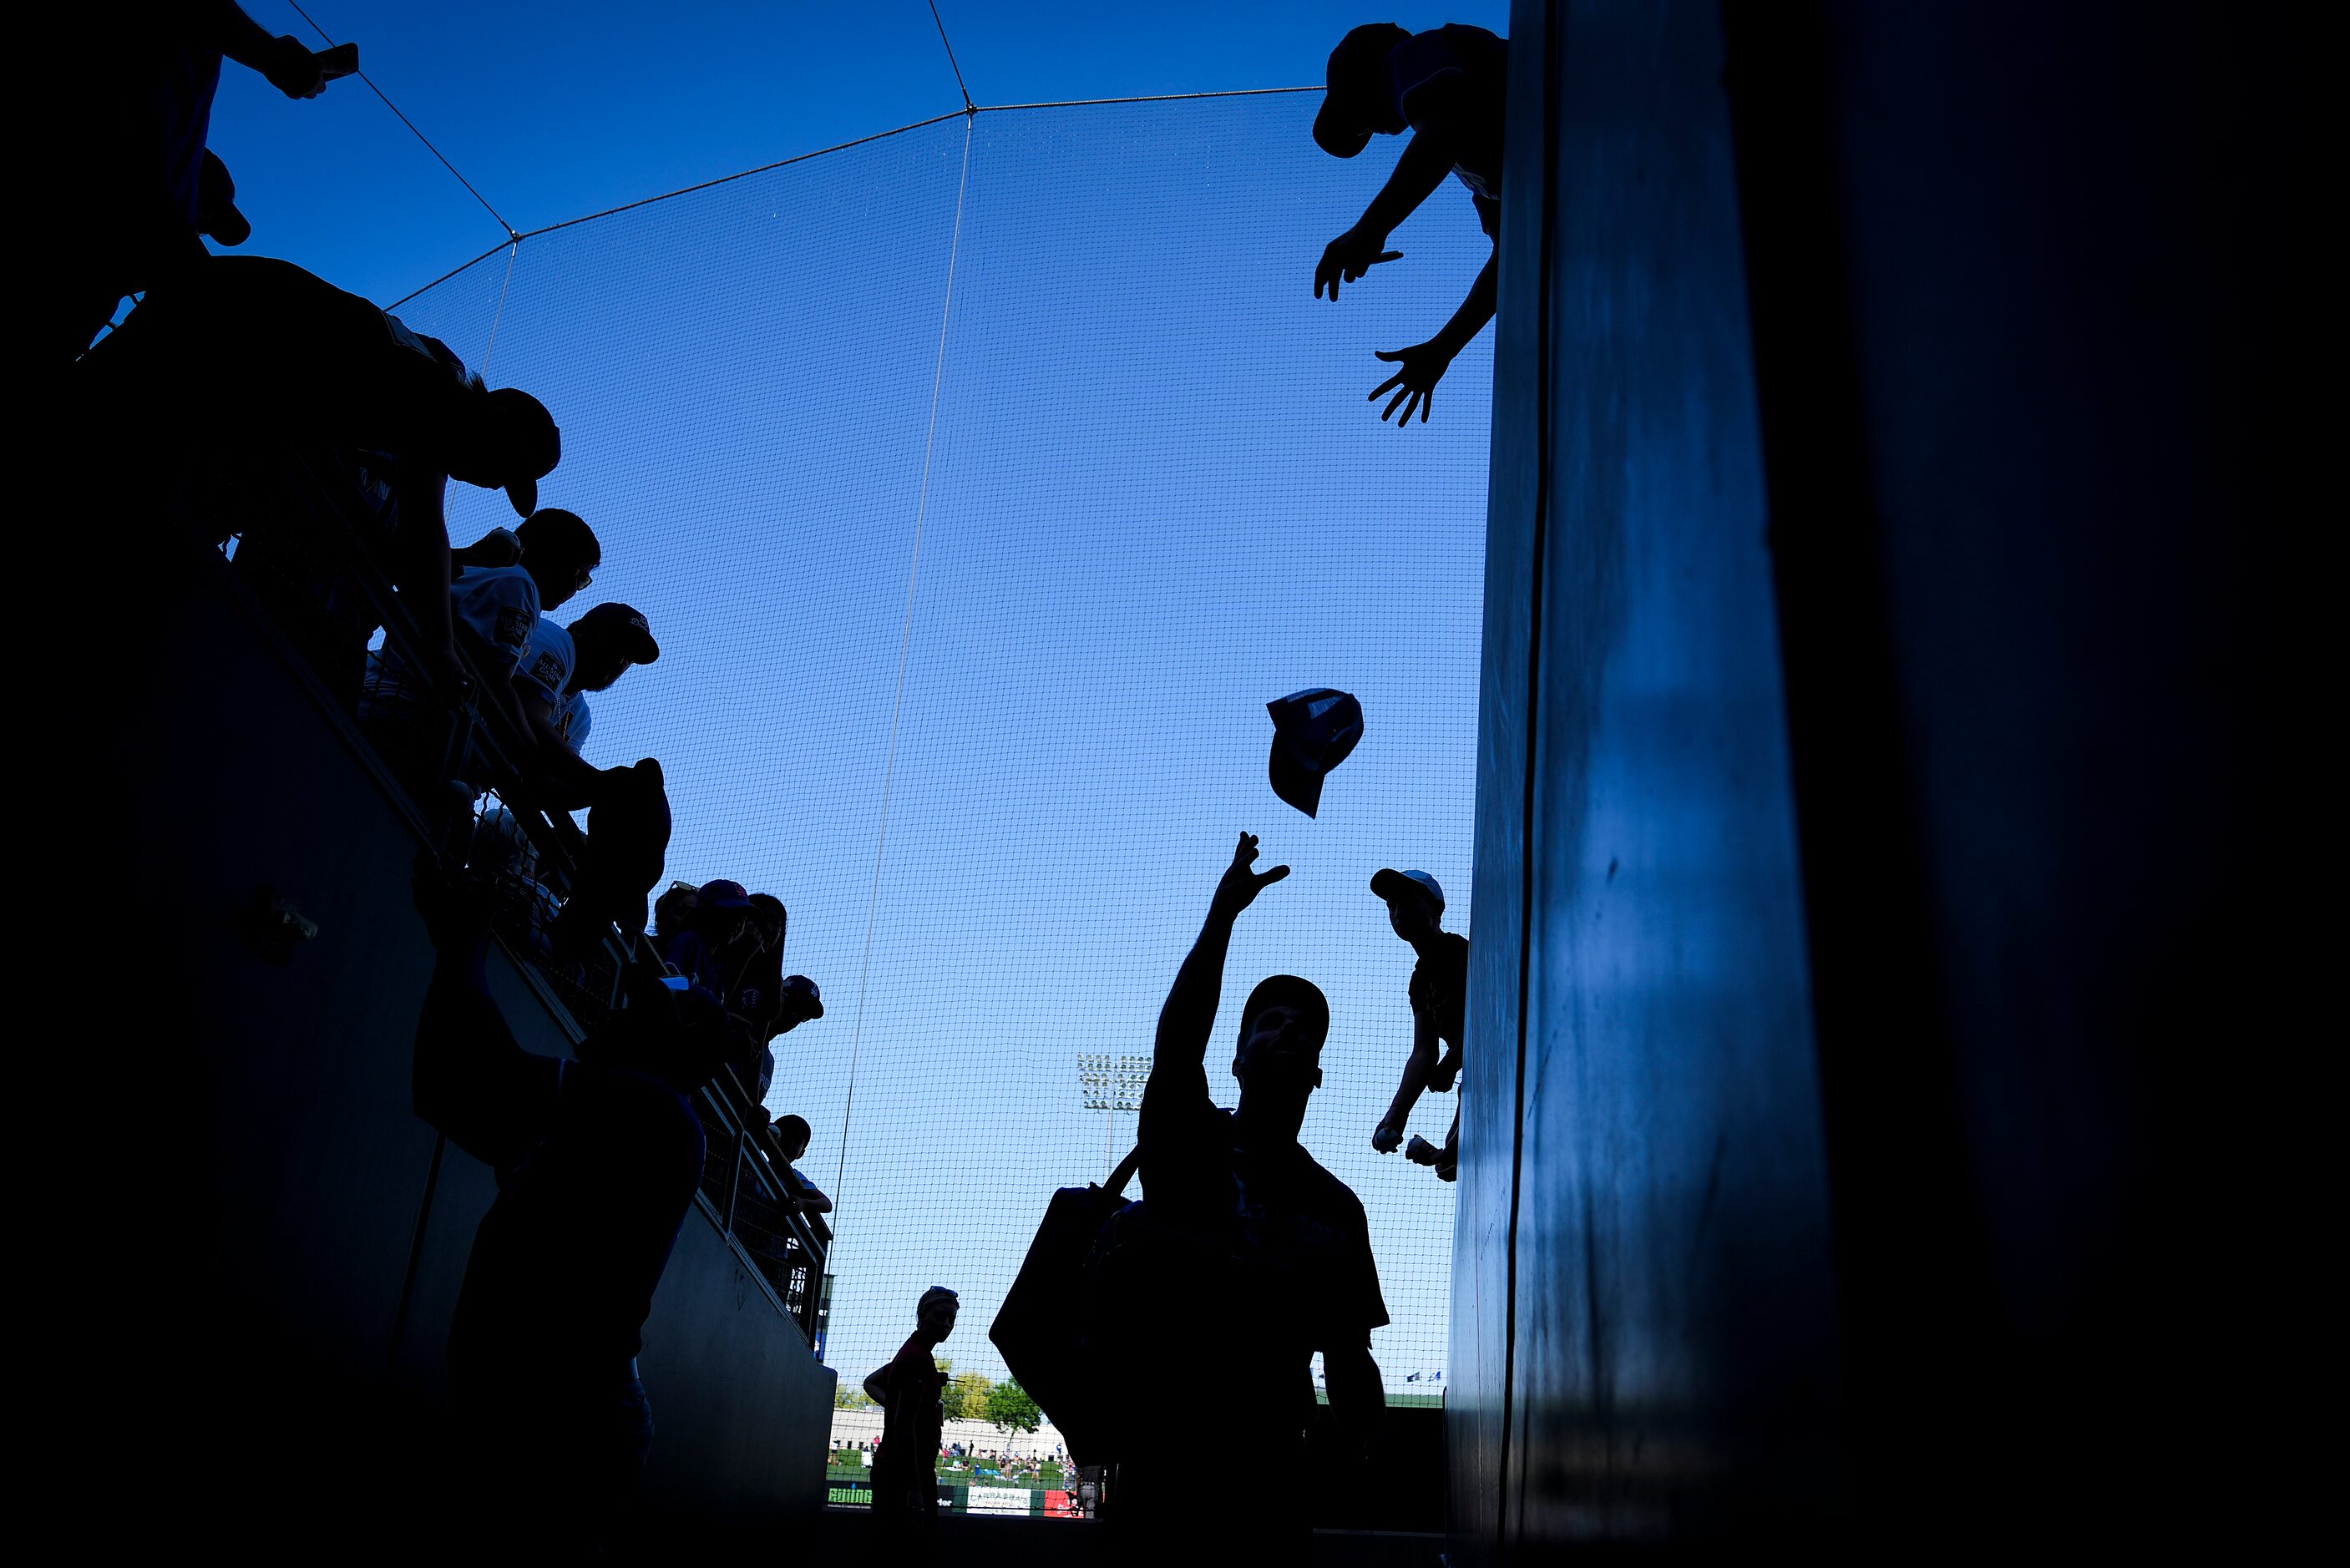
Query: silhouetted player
1445	86
905	1472
1280	1266
597	1161
1439	991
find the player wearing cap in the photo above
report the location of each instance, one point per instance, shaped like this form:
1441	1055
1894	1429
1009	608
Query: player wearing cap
1446	86
1294	1274
1439	991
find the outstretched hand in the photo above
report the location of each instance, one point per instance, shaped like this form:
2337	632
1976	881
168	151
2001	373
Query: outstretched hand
1350	257
1239	886
1417	369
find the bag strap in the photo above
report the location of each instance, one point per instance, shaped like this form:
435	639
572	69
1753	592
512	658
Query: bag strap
1116	1184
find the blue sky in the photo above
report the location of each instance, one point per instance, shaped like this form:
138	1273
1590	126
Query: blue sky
1154	498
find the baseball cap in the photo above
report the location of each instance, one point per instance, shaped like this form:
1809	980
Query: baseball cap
1392	885
533	444
1342	129
801	985
628	626
1289	990
1313	732
724	895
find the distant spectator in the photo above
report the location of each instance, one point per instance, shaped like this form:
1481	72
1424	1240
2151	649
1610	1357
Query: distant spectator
242	349
124	146
909	1390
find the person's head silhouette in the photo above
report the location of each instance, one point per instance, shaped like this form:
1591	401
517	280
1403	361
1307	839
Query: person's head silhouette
1360	100
561	554
934	1314
1279	1059
609	640
793	1133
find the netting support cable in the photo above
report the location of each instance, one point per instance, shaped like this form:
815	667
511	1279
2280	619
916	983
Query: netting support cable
898	702
968	106
498	316
1145	98
512	233
968	110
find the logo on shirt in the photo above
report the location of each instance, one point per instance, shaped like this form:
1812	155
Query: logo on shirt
513	626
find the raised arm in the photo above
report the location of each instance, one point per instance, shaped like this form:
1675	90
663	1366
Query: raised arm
1188	1018
290	67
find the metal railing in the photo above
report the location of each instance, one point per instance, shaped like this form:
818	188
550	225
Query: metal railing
296	528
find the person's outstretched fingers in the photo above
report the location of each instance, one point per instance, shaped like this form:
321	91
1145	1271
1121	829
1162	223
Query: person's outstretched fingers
1267	879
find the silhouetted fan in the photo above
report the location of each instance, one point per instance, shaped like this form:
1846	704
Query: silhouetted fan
1313	732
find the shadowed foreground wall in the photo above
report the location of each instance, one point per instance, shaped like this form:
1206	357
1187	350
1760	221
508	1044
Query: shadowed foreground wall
248	1355
1891	801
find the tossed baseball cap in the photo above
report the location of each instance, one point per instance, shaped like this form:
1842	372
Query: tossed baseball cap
1349	106
802	986
1289	990
533	444
626	625
1313	732
1392	885
724	895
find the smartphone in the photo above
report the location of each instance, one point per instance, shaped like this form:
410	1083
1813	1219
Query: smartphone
342	60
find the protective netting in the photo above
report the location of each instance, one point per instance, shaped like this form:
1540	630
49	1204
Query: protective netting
1155	498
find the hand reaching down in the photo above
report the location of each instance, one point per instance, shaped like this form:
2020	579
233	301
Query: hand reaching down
1417	369
1350	257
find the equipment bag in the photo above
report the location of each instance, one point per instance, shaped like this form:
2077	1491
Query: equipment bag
1040	1330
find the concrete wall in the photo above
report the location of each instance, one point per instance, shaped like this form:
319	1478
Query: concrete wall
1646	1307
263	1219
1892	783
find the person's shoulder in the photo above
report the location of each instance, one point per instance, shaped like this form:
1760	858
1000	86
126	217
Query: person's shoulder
1332	1195
508	583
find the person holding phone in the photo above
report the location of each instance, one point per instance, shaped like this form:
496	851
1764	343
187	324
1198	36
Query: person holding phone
130	174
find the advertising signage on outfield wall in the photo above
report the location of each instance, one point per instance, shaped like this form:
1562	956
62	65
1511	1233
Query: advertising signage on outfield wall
957	1498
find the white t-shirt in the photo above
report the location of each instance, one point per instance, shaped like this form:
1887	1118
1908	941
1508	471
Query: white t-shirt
499	604
548	661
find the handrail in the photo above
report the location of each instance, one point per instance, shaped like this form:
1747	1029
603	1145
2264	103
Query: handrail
333	542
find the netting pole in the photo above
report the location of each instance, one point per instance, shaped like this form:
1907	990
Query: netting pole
898	702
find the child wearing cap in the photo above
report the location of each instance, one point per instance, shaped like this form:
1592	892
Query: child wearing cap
1446	86
1438	993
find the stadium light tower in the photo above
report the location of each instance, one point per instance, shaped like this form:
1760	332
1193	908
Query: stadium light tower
1112	1083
